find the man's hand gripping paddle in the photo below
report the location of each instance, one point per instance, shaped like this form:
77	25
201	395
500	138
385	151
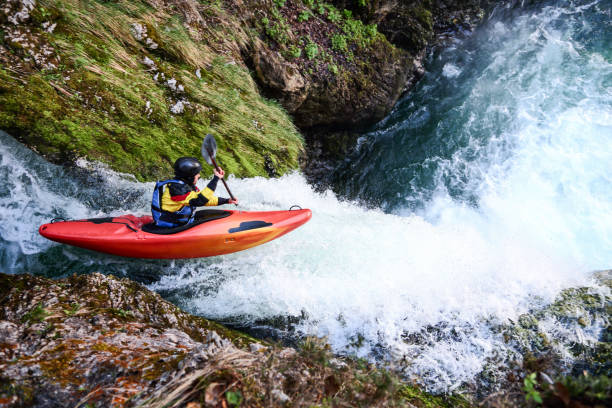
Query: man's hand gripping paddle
209	151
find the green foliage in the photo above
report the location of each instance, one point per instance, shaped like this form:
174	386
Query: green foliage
334	16
277	30
294	51
339	42
352	27
333	68
530	383
414	396
43	14
80	62
280	3
360	33
371	30
125	314
72	311
320	9
425	17
309	3
234	398
36	315
304	16
278	33
311	49
586	388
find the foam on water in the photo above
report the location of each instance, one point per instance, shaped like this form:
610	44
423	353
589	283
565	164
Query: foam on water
505	223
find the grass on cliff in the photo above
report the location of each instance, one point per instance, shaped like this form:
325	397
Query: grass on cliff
322	39
110	96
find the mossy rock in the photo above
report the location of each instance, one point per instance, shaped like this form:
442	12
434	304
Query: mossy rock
102	102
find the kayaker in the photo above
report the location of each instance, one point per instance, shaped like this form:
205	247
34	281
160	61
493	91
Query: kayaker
174	201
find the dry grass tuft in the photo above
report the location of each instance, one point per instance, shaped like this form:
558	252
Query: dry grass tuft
275	376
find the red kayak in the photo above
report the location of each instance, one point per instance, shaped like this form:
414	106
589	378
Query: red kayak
214	232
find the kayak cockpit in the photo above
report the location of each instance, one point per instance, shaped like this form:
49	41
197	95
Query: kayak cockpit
200	217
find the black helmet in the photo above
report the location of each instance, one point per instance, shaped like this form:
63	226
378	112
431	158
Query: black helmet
187	167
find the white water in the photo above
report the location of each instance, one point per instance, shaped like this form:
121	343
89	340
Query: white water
543	223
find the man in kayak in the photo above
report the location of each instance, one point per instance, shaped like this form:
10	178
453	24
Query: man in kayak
174	201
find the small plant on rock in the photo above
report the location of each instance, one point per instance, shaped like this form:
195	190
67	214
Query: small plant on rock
334	16
339	42
294	51
312	50
530	383
234	398
304	16
36	315
72	311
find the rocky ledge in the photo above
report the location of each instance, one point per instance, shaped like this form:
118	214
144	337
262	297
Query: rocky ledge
96	340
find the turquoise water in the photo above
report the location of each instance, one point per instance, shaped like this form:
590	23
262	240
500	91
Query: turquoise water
482	195
513	121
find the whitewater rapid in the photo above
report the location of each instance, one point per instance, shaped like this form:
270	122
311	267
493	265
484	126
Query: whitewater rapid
538	218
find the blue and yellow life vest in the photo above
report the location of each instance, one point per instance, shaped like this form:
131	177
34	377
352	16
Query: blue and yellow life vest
169	219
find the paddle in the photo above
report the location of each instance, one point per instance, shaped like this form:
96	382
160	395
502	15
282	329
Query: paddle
209	151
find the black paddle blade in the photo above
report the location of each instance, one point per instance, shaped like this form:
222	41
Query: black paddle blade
209	149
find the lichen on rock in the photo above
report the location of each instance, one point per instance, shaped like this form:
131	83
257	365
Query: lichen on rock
92	333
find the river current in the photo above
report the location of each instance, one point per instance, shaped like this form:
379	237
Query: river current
485	192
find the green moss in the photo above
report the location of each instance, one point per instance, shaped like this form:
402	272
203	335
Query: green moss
121	313
419	398
102	346
59	365
161	364
36	315
239	339
583	390
424	17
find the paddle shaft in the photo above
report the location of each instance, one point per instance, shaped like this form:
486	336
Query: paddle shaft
217	167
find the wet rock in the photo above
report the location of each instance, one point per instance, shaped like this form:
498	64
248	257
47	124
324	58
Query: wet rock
287	353
280	396
257	348
119	330
280	78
